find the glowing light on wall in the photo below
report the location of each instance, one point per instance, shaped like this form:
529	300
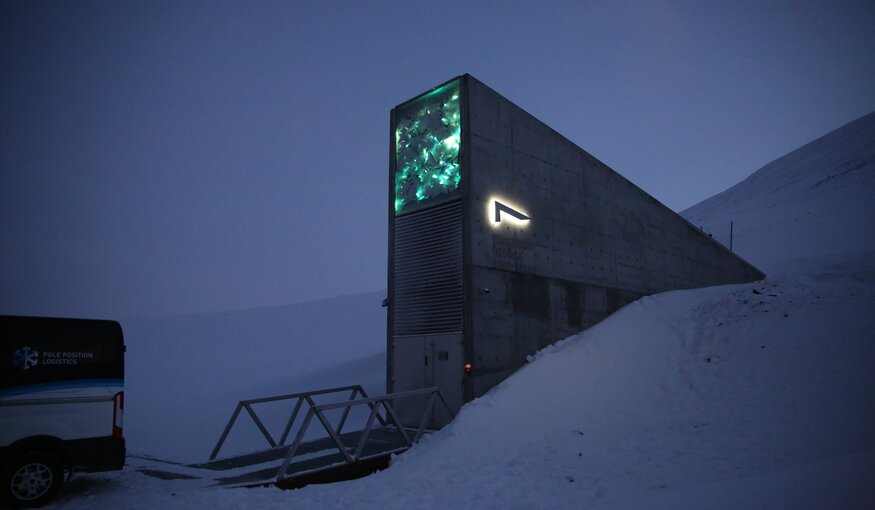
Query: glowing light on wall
500	211
428	135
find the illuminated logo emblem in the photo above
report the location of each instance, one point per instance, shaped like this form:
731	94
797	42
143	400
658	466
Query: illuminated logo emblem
513	213
25	358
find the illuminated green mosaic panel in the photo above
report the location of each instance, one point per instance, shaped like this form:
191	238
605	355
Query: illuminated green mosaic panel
428	133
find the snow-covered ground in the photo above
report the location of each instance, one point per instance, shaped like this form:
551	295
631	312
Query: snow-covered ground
740	396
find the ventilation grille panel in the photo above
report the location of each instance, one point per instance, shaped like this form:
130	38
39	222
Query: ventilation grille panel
428	294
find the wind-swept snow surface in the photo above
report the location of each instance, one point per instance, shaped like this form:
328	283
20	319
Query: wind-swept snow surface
745	396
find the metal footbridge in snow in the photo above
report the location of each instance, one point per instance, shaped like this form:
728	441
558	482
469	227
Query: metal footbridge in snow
338	456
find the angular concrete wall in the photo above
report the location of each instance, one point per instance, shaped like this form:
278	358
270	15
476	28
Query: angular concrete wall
594	243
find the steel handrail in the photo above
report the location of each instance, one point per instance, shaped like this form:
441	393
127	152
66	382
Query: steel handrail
302	394
400	394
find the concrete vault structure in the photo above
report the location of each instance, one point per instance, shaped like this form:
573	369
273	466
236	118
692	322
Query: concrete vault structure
505	237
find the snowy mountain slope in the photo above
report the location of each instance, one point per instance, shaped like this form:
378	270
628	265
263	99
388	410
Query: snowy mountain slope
186	373
816	201
744	396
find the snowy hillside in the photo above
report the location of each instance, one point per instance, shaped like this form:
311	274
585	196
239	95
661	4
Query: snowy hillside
743	396
817	201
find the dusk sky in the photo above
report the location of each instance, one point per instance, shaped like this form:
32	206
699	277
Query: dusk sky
163	158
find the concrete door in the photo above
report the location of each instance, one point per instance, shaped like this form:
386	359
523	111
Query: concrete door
447	373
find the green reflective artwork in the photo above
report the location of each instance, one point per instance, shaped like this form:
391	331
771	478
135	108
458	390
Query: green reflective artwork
428	133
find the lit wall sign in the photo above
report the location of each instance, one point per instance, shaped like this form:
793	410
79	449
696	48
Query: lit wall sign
501	211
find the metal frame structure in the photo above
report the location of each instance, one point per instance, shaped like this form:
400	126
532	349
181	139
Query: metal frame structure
349	454
306	396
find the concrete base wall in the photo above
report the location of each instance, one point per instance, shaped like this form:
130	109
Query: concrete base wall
516	314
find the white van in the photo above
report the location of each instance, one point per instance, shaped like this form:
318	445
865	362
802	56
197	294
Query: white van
61	403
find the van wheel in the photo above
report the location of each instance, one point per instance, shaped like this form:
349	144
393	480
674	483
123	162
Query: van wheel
32	479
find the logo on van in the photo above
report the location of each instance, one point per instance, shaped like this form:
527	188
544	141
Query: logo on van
25	358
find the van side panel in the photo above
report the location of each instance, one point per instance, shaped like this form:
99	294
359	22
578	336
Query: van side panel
64	421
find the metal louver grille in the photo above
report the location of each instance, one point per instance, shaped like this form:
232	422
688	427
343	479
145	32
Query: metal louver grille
428	271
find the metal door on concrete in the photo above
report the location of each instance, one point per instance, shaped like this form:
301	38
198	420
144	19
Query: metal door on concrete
428	360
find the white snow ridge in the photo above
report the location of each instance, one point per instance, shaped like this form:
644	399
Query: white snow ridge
740	396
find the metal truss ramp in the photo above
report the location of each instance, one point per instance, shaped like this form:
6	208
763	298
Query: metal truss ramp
338	456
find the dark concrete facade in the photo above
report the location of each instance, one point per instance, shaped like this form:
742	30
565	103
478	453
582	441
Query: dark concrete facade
593	242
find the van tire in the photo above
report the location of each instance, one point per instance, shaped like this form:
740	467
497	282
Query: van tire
31	479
